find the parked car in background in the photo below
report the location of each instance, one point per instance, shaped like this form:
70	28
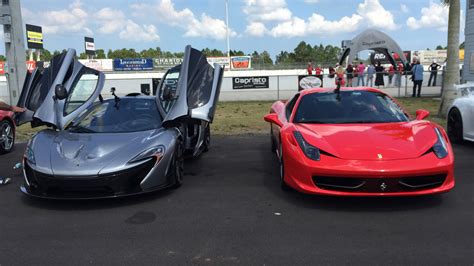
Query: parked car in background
461	115
358	142
7	132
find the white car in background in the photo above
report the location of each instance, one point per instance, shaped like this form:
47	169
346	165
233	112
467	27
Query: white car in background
461	115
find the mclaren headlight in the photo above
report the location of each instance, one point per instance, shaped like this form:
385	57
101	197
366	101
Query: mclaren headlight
441	147
309	150
30	155
156	152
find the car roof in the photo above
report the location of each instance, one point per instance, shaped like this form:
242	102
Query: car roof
322	90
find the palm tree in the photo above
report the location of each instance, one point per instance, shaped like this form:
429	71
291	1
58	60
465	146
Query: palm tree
451	74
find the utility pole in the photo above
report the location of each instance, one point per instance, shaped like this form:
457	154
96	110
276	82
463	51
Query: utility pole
10	17
227	29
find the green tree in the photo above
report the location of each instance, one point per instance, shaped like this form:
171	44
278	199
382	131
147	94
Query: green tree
451	74
2	58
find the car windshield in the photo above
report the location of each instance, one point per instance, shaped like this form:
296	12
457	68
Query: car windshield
127	115
348	107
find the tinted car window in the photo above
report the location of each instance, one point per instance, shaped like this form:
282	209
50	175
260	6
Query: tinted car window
129	115
348	107
168	89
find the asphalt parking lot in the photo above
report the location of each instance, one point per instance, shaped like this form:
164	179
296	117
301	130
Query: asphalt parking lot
231	210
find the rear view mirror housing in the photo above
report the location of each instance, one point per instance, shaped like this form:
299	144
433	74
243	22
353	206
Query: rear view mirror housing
421	114
60	92
273	118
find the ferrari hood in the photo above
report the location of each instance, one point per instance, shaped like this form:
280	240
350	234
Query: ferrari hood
78	154
384	141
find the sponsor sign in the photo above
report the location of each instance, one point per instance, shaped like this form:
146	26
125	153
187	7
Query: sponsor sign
162	62
241	62
2	68
427	57
98	64
34	37
89	45
379	56
239	83
223	61
30	66
133	64
309	82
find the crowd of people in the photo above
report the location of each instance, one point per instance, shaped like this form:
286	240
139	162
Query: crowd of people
373	74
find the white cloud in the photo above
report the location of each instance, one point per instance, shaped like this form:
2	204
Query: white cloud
433	16
257	29
311	1
404	8
261	13
73	19
134	32
110	20
376	15
205	26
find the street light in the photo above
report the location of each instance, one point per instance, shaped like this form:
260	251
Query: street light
227	28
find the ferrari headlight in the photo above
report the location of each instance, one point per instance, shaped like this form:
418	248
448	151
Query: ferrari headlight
440	148
29	155
309	150
157	152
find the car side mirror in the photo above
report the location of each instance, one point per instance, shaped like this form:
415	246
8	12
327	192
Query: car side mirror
60	92
421	114
273	118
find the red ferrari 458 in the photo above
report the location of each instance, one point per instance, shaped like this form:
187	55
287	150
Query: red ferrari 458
358	142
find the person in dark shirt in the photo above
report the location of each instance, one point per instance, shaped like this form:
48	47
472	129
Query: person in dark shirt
434	67
349	75
379	72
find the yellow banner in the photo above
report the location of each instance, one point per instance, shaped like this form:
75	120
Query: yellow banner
461	54
35	37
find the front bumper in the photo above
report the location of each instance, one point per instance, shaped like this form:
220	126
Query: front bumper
118	184
334	176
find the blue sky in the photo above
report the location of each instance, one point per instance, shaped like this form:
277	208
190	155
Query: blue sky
272	25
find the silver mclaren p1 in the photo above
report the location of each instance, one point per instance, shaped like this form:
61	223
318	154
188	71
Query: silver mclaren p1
98	148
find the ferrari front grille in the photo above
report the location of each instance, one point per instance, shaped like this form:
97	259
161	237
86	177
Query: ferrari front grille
379	184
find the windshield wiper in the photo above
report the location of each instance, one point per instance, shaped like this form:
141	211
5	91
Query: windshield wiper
79	129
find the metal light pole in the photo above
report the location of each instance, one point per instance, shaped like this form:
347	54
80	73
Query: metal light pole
10	17
227	29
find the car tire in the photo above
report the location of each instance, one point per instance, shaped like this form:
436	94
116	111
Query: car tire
207	139
283	185
177	164
455	126
7	136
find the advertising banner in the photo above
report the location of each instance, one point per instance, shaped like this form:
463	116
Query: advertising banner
34	37
133	64
382	58
241	62
239	83
98	64
162	62
30	66
427	57
223	61
89	45
309	82
2	68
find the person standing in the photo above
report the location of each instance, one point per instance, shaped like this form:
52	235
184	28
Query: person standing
349	75
339	75
379	72
434	67
391	73
370	75
319	73
398	75
360	76
417	78
310	68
